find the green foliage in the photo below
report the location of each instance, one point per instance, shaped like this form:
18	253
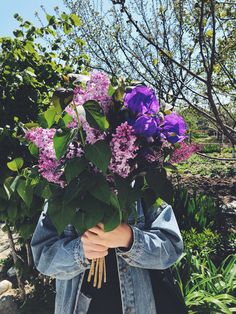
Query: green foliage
207	288
31	67
163	190
197	165
16	164
95	115
195	211
61	141
74	168
211	148
202	243
100	154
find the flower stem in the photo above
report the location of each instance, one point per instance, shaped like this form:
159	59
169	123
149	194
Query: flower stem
79	123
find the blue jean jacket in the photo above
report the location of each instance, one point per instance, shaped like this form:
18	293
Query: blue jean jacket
157	244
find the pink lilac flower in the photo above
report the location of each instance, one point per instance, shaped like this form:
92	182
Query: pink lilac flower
48	164
92	135
184	152
96	89
155	156
74	151
123	149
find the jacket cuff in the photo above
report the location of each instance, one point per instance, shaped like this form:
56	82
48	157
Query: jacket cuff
79	257
137	246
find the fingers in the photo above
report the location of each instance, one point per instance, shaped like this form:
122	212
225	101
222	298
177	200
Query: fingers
99	229
91	254
91	249
90	237
94	247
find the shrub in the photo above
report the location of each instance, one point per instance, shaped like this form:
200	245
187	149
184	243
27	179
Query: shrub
211	148
207	288
205	242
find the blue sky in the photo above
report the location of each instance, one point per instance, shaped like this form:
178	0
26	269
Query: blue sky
25	8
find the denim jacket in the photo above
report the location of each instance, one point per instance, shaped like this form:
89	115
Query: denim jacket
157	244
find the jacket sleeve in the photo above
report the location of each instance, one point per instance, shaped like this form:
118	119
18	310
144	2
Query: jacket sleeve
157	247
60	257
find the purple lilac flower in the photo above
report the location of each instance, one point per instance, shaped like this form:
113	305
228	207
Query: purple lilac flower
123	149
48	165
184	152
173	128
96	89
92	135
141	100
153	156
74	151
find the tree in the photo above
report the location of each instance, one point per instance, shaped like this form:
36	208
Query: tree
184	49
30	71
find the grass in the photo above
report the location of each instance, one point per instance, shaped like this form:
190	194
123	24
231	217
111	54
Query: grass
197	165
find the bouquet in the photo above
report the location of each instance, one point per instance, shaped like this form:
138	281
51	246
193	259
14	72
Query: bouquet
102	145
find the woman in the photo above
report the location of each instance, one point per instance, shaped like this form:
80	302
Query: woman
153	242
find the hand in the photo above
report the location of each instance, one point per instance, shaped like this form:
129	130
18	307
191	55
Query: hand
96	241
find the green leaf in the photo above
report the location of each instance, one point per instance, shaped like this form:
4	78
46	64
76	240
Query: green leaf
67	28
101	189
67	119
31	125
49	116
114	201
124	188
43	190
111	90
29	46
149	197
76	20
93	211
7	186
61	215
61	98
99	154
159	183
95	115
74	167
48	17
33	149
3	205
14	183
61	142
16	164
112	218
25	191
3	194
119	93
12	211
209	33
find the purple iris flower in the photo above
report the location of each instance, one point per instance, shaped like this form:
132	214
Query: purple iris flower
147	125
174	128
141	100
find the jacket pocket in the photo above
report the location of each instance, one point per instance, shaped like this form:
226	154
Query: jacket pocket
82	304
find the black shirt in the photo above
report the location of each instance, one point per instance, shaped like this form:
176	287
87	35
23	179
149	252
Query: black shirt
107	299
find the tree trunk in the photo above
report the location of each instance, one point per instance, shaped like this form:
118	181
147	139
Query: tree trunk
16	259
233	151
29	254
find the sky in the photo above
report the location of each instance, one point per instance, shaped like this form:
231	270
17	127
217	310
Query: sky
25	8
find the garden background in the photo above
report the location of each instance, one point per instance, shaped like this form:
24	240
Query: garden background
185	50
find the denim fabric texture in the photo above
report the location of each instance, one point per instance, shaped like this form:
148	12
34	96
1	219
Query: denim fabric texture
157	244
